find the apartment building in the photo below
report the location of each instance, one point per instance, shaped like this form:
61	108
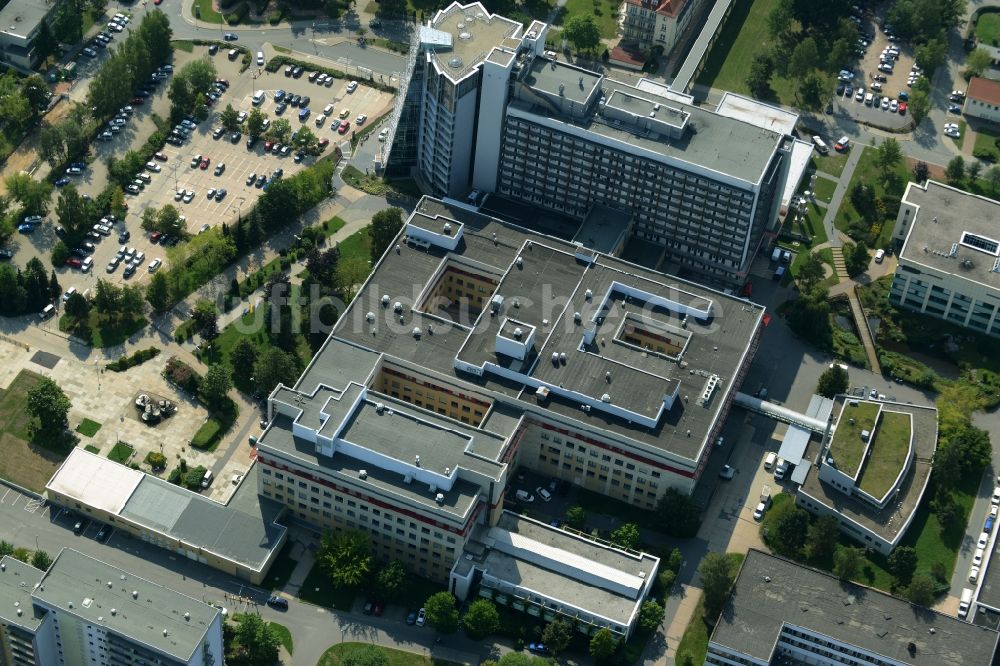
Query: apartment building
499	115
20	24
949	256
780	612
86	612
651	23
477	346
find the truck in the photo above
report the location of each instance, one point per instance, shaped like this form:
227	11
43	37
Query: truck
765	495
965	602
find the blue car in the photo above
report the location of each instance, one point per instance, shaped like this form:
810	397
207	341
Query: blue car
303	114
62	182
25	228
538	648
279	95
988	527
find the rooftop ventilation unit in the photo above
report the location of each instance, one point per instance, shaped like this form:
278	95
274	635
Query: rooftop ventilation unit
455	62
577	317
518	333
447	228
706	393
385	300
187	616
439	498
363	474
370	317
519	262
416	332
562	90
606	397
465	36
397	307
588	294
379	407
416	460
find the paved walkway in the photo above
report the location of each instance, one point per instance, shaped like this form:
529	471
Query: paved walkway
838	197
864	333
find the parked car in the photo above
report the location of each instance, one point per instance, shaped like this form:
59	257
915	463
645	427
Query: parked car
421	617
276	602
538	648
544	494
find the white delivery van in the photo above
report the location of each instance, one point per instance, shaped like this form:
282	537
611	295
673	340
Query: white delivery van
258	98
821	146
965	602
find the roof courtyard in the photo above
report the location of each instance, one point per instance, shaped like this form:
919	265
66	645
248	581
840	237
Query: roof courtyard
888	449
848	446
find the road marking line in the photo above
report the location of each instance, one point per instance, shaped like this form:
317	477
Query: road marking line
4	496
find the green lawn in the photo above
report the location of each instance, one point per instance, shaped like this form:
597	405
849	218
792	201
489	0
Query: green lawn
88	428
92	449
28	459
356	246
317	589
121	452
832	164
604	12
185	45
824	188
208	14
332	657
988	142
102	331
988	27
889	447
694	643
809	225
284	635
847	447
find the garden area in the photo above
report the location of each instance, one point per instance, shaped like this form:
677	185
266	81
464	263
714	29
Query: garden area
987	143
987	27
335	656
102	330
693	646
30	455
868	212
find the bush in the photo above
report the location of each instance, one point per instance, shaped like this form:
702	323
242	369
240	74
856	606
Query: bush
238	15
156	460
207	434
193	477
274	18
181	374
985	155
138	358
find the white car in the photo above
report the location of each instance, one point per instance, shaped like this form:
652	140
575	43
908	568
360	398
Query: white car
893	106
524	496
188	196
544	494
984	539
260	58
178	195
995	500
953	134
68	293
758	513
769	461
948	126
977	559
360	120
973	574
153	166
422	617
352	86
155	264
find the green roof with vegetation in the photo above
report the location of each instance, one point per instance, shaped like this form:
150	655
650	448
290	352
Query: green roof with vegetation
847	447
889	446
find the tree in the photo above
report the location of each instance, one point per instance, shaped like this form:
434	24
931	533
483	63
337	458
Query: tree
33	195
272	367
811	272
441	612
576	517
932	55
258	644
156	35
346	556
67	23
181	97
385	226
216	384
47	402
206	319
322	265
556	636
365	655
921	590
903	563
887	156
52	145
603	644
847	562
581	31
805	58
650	616
481	620
834	381
54	289
280	131
350	274
200	74
790	532
13	295
243	358
919	106
779	20
716	579
856	258
822	538
921	172
158	293
78	307
41	560
229	119
391	578
678	515
955	171
863	199
977	62
812	90
626	536
993	177
759	78
973	170
72	213
840	52
255	123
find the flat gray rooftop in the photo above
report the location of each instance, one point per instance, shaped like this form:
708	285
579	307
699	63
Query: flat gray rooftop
243	531
639	380
712	141
889	521
17	581
21	17
603	229
944	217
474	34
547	75
457	502
771	592
989	589
79	584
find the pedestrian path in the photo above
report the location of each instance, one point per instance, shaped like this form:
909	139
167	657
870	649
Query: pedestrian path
863	331
838	197
838	261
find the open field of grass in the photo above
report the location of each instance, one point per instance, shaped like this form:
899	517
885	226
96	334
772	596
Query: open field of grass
208	13
832	164
605	14
25	461
824	189
988	27
742	37
867	172
332	657
694	643
988	142
317	589
121	452
284	635
889	447
847	448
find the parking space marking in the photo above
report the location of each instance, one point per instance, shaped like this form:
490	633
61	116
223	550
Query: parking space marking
4	498
16	497
33	505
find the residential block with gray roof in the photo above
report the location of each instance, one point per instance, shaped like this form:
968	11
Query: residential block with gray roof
499	115
83	611
780	612
949	256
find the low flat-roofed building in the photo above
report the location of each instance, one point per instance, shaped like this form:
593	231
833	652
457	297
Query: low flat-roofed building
20	23
476	346
554	573
873	470
241	538
949	256
782	612
982	99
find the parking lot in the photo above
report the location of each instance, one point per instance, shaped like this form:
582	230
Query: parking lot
865	72
177	173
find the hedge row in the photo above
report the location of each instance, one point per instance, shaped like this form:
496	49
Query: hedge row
138	358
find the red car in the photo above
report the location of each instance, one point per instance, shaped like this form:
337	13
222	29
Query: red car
155	236
344	126
160	156
204	164
324	142
138	101
73	262
156	2
902	108
268	145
